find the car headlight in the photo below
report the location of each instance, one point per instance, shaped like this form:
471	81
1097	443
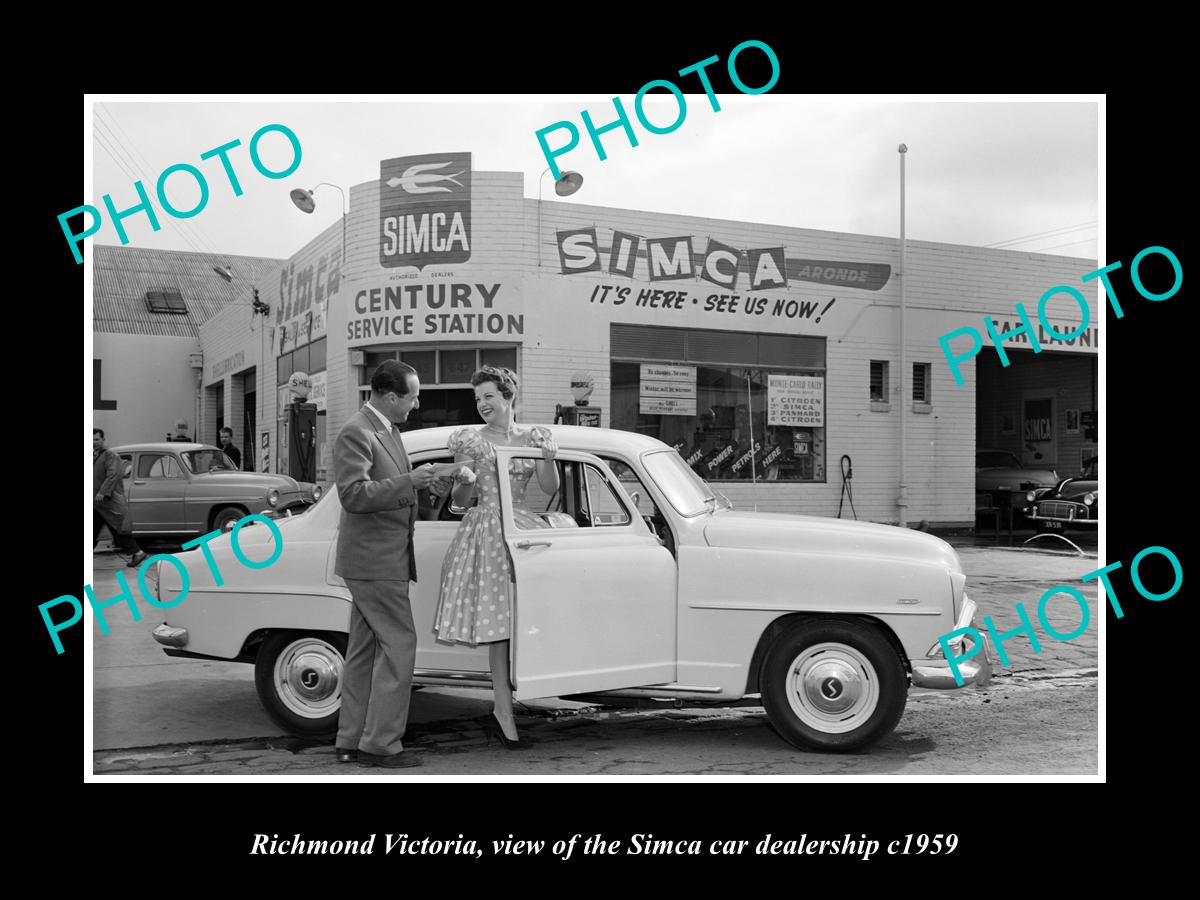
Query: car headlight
272	497
1089	498
1030	497
316	492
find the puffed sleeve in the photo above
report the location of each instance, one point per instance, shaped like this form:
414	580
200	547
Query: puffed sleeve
538	436
468	442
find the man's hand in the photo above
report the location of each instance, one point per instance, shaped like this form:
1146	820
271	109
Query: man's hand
422	476
99	498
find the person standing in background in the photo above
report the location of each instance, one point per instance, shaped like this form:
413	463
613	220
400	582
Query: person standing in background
110	506
228	448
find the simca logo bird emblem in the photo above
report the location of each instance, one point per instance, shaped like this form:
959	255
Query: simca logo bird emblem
415	177
831	688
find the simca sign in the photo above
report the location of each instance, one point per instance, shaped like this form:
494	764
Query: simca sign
425	210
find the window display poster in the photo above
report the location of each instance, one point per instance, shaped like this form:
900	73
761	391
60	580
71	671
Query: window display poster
796	400
665	390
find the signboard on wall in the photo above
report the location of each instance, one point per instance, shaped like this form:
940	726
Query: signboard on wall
316	395
306	285
667	390
425	210
796	400
382	312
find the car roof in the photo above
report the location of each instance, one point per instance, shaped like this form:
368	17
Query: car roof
178	446
568	437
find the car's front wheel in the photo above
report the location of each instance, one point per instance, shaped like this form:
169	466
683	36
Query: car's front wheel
299	680
833	685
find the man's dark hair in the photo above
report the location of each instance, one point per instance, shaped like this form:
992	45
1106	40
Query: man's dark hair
99	431
392	375
227	430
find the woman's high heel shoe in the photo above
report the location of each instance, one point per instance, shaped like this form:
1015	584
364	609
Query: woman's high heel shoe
491	728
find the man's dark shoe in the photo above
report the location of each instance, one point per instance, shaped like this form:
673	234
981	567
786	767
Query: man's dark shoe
136	559
345	756
401	760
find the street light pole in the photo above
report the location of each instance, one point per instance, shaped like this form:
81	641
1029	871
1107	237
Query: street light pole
567	184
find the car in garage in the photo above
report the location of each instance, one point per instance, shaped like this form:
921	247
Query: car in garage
1001	480
181	490
634	579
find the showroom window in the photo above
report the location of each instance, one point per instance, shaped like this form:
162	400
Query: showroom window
737	406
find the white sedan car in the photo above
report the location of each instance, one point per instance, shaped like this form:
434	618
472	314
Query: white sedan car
632	580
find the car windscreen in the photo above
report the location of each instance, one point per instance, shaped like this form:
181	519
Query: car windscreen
207	461
684	489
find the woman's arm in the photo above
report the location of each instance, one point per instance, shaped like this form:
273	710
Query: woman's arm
462	492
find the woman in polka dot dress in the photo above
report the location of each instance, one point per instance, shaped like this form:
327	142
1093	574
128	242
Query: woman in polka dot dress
475	602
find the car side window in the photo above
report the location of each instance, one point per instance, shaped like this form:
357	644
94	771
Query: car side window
606	507
126	465
533	508
156	465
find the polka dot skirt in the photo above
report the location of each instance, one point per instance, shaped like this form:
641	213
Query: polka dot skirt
475	599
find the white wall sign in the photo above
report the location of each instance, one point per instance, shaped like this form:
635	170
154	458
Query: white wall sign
667	390
316	395
796	400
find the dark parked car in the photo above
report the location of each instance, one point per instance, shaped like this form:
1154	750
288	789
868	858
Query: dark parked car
1002	481
1072	503
181	490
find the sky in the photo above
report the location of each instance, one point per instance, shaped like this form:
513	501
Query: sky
1021	175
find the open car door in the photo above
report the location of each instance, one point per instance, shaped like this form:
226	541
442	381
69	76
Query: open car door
595	589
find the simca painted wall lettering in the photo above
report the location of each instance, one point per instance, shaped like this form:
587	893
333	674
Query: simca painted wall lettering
1047	333
671	258
98	606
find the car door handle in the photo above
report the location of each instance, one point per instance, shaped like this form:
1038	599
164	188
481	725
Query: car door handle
139	482
525	545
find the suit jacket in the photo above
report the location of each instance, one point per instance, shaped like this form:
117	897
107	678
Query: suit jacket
379	502
108	478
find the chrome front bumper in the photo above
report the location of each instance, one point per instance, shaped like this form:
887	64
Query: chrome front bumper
934	670
170	636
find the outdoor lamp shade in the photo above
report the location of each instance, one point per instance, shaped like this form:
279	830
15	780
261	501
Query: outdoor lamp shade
568	184
303	199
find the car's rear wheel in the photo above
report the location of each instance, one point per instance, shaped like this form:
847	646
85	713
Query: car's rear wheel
833	685
225	517
299	680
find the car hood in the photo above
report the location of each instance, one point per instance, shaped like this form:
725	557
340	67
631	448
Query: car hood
249	480
816	534
1074	490
1011	479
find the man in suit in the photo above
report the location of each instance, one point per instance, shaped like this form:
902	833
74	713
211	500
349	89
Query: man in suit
375	556
109	506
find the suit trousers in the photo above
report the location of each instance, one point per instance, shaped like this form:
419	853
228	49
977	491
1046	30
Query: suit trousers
377	678
123	540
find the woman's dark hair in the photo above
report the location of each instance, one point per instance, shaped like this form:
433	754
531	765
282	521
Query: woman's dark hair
504	379
392	375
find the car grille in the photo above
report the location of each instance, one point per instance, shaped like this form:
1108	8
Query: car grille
1060	509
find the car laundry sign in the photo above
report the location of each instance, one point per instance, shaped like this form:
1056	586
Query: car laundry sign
425	210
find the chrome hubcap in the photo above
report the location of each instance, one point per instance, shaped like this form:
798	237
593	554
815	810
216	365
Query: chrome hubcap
832	688
308	677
